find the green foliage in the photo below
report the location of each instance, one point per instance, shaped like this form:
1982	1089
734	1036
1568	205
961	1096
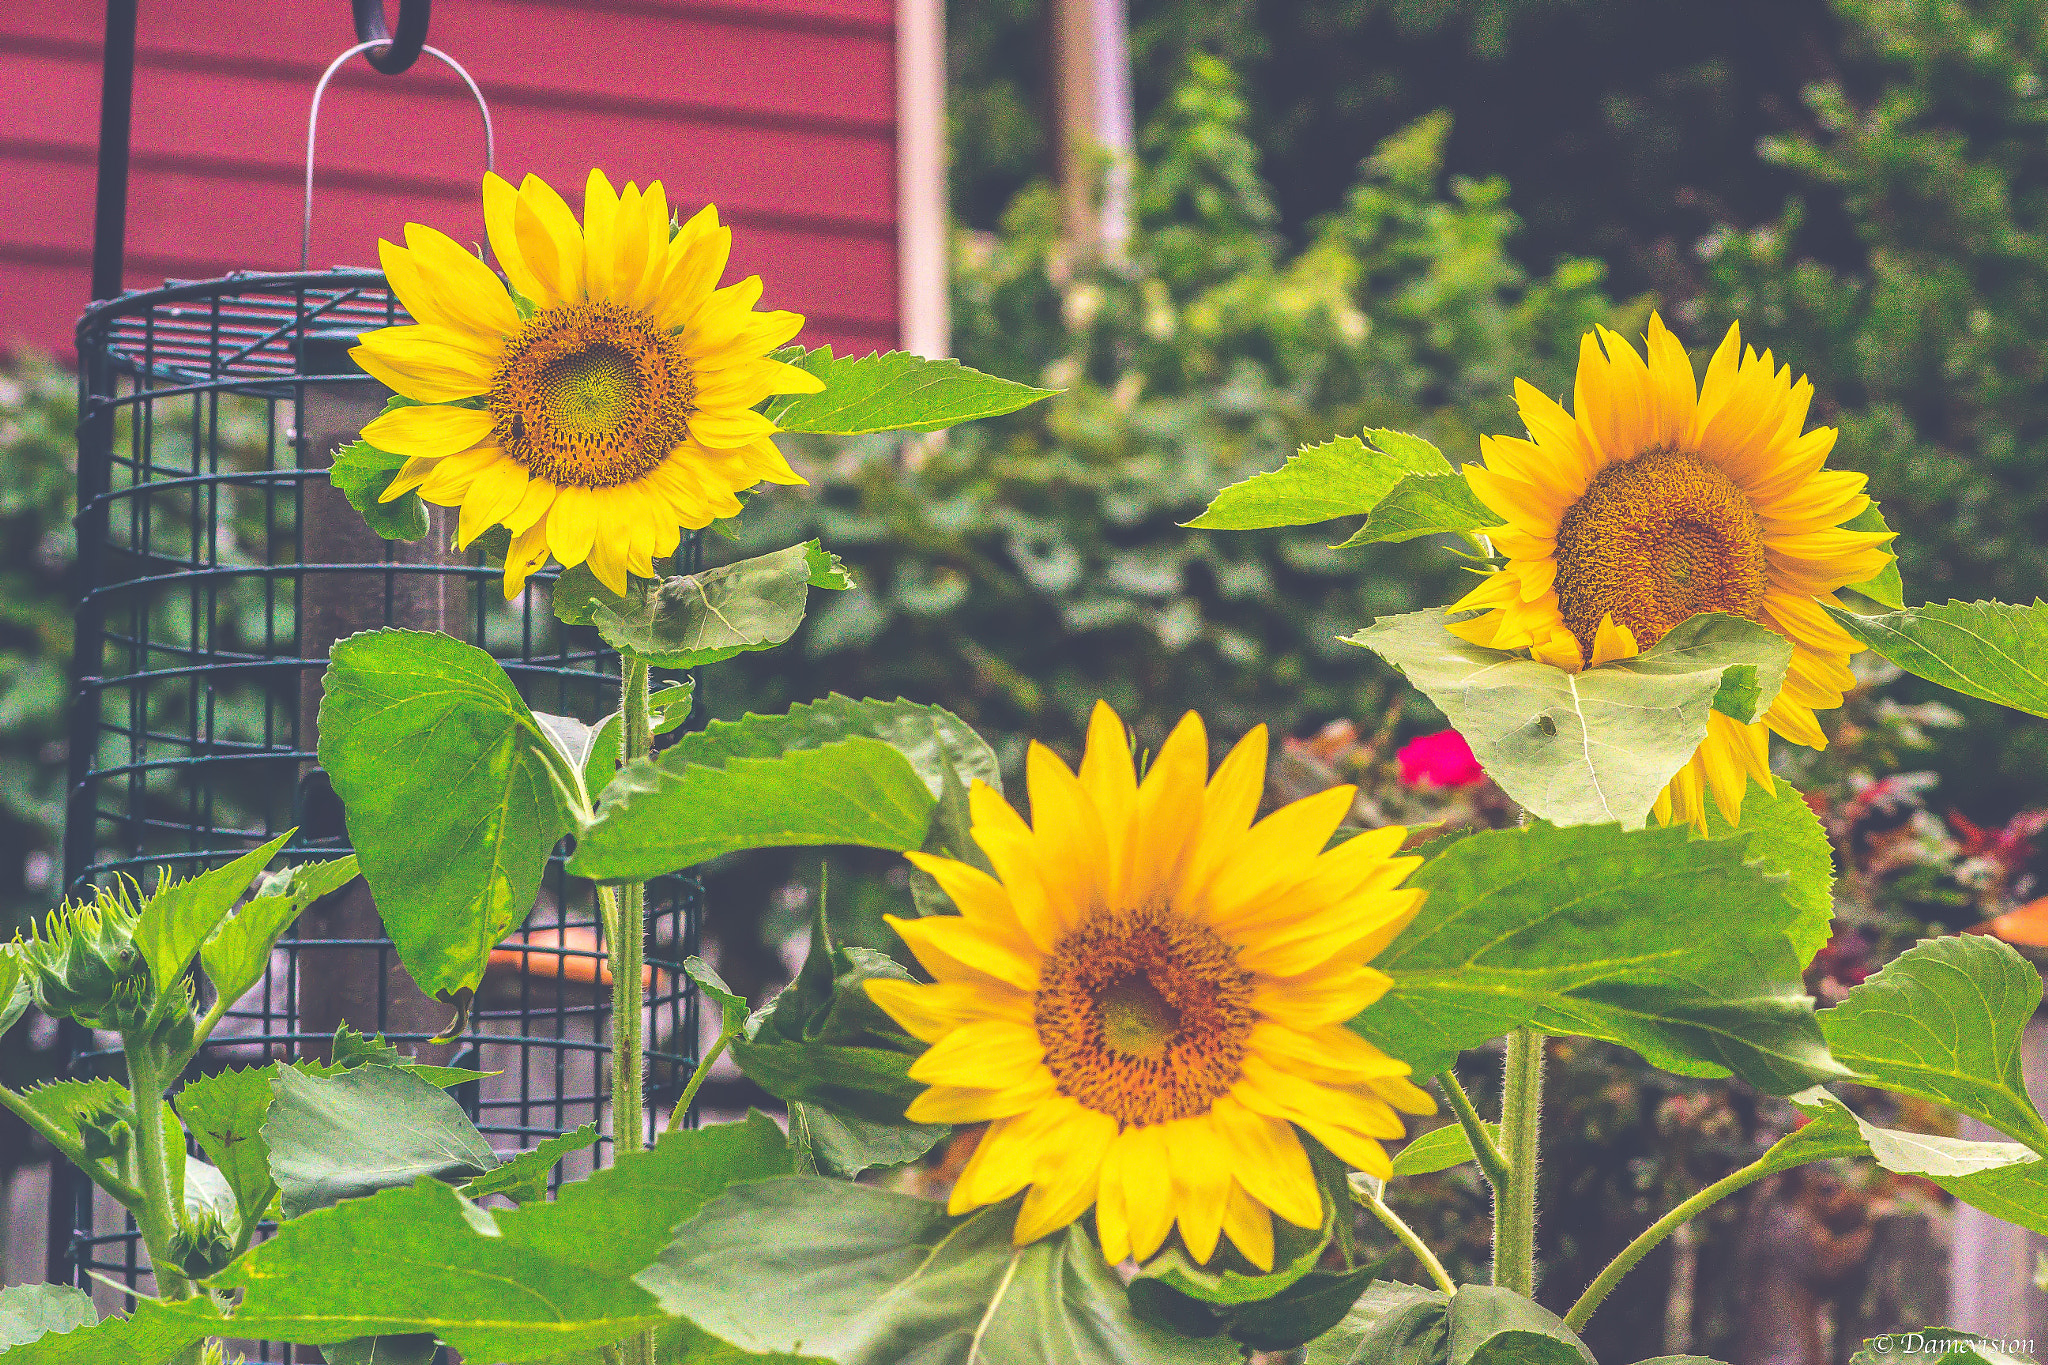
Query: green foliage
27	1311
835	771
1439	1149
362	473
1479	1325
1342	477
1989	650
517	1285
824	1042
1573	930
1421	505
154	1334
880	1278
224	1113
455	864
1579	748
1785	836
697	619
893	392
180	916
237	952
1944	1021
2004	1179
524	1178
339	1137
15	991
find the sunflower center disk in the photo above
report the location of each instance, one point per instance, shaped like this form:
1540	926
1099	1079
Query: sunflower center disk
591	395
1144	1015
1656	539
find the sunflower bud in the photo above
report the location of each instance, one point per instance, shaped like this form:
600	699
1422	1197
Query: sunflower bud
82	961
105	1133
203	1247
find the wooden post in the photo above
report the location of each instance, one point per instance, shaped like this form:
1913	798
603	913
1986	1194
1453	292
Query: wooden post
345	984
1093	120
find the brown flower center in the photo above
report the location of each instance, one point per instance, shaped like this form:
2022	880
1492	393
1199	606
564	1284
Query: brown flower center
1144	1015
1656	539
591	395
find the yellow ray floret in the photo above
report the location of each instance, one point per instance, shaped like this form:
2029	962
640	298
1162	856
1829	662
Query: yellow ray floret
1653	500
602	404
1146	1001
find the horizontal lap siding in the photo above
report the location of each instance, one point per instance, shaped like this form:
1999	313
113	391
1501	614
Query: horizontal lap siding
782	112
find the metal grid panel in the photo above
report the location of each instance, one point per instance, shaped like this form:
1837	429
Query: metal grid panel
191	738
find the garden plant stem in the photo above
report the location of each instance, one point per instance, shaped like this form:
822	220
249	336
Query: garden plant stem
1646	1241
627	926
628	941
1514	1208
1373	1198
154	1215
1492	1164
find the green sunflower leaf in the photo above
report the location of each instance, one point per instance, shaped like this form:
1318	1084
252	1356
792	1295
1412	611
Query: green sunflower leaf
1784	835
2004	1179
1887	589
362	473
1993	651
701	618
1943	1021
224	1112
1424	505
178	919
155	1334
1573	930
1343	477
893	392
344	1136
15	992
823	1041
236	953
1583	748
841	1144
1401	1324
455	865
1439	1149
28	1311
863	1276
537	1282
835	771
523	1178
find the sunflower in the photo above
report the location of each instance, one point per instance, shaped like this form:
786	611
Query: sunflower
1147	1001
601	404
1656	499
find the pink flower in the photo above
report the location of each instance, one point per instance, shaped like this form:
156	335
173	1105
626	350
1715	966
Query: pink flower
1443	759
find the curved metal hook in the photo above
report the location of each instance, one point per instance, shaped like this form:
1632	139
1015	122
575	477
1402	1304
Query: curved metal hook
402	49
313	124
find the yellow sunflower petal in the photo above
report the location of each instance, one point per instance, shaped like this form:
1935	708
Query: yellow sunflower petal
463	288
1250	1228
428	431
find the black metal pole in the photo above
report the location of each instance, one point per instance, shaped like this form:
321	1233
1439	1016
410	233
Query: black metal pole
71	1198
117	98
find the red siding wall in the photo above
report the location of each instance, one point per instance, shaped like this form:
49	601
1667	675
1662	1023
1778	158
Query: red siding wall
782	112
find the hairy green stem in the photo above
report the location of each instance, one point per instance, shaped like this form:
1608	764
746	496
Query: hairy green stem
682	1110
628	946
155	1216
1492	1164
72	1150
1514	1209
1646	1241
1371	1197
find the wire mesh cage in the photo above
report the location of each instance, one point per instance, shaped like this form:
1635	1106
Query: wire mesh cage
219	565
